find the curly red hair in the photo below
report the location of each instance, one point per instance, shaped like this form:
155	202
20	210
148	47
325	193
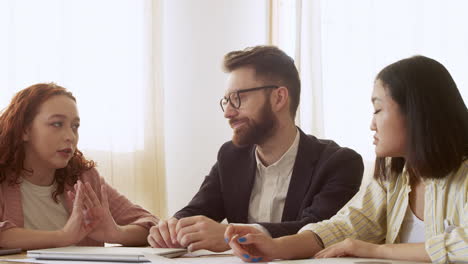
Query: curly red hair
15	119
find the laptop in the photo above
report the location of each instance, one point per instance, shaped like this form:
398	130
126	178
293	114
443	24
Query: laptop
128	254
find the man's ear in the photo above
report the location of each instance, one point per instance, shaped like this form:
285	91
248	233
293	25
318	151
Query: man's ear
281	98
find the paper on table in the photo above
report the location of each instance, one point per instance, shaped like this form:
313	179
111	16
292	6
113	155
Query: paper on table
212	260
40	261
223	260
195	260
343	261
204	252
155	259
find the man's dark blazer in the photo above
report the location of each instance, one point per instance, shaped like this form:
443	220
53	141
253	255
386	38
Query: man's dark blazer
324	178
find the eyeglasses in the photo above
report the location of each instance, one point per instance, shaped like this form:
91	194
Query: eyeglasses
234	100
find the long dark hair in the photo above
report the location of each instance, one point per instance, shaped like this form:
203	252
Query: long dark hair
436	119
13	122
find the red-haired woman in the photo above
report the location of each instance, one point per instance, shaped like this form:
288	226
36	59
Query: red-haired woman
50	195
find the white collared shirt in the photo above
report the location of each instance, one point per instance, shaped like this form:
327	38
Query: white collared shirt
271	187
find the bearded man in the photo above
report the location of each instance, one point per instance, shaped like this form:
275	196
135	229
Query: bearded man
271	175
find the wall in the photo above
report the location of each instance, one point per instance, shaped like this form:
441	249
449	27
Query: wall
196	36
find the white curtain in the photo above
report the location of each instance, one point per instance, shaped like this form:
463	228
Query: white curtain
341	45
107	53
197	34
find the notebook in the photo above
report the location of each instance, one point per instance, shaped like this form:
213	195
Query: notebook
130	254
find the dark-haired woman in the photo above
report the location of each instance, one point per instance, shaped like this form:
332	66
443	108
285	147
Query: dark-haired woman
50	195
416	207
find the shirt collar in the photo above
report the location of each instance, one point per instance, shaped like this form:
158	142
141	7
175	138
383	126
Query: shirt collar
286	159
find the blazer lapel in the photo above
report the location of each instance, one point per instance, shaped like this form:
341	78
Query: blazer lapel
247	187
307	156
241	184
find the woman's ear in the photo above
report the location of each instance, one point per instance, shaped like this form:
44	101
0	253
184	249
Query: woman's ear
280	98
26	133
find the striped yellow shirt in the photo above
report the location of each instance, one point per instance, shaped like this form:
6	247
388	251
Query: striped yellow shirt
375	214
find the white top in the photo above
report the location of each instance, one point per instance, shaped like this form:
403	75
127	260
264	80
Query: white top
412	228
40	210
271	186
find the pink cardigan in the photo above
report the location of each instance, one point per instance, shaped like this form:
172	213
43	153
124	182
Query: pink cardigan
123	211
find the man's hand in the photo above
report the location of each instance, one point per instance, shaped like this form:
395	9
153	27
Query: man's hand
201	232
163	235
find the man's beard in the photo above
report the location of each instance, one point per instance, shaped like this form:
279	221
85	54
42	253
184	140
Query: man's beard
256	132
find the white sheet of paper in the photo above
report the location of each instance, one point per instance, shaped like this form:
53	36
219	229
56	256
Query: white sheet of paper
343	261
223	260
41	261
212	260
155	259
204	252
